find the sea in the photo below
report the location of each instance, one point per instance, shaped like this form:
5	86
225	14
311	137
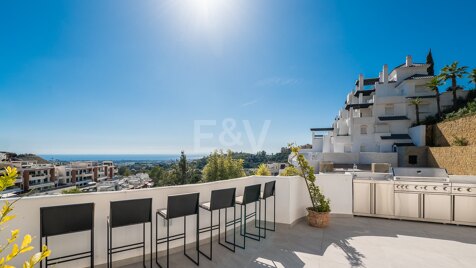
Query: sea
116	157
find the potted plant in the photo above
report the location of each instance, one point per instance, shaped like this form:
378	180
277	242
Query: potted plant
318	214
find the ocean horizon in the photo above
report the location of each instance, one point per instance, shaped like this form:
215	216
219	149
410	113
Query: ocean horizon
115	157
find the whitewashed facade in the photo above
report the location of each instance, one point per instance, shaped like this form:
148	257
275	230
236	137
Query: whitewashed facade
377	117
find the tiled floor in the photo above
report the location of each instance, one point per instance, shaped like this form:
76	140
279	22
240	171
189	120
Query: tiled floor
351	242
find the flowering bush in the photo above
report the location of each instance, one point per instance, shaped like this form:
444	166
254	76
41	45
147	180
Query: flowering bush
7	179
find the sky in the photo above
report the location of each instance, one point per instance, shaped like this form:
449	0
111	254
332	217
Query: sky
160	76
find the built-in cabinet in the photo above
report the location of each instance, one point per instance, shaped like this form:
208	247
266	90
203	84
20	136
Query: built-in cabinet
379	199
373	198
407	205
464	209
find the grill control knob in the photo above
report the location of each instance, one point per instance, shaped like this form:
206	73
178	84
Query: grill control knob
459	189
416	187
425	187
469	189
445	188
435	188
406	186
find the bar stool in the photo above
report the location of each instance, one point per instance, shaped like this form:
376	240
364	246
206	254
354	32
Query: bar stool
126	213
251	195
220	199
178	206
269	190
59	220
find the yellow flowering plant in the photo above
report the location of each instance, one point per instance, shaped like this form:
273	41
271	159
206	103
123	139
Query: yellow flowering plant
11	249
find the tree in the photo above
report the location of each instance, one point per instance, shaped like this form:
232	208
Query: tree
429	60
263	170
157	174
182	169
436	82
291	171
7	179
452	72
472	77
124	171
417	102
222	166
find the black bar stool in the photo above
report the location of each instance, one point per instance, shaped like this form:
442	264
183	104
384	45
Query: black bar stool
67	219
220	199
269	190
125	213
251	195
178	206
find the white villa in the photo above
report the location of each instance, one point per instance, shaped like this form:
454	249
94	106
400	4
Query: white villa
377	118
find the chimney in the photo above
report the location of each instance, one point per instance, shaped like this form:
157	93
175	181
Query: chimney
408	61
361	82
385	74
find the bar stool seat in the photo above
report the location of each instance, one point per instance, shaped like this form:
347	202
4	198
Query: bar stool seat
178	206
251	195
220	199
163	212
269	191
206	205
239	200
67	219
127	213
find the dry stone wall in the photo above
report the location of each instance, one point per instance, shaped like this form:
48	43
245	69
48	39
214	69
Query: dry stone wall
458	160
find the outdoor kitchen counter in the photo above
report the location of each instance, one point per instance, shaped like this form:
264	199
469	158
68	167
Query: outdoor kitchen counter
463	179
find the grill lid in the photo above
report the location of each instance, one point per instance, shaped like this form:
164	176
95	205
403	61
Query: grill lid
420	174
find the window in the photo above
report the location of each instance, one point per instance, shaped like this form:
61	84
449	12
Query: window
363	130
389	109
412	159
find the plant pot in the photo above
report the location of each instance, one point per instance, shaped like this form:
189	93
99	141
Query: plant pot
317	219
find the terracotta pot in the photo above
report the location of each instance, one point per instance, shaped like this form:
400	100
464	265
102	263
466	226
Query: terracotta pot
317	219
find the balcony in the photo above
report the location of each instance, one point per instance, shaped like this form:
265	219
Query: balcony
347	242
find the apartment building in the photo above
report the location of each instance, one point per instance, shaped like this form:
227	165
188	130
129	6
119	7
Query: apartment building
34	176
377	117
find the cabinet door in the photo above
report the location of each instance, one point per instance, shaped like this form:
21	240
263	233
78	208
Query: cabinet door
465	209
384	199
437	207
407	205
362	195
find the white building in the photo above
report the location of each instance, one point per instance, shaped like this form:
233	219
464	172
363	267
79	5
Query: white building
276	168
34	176
377	117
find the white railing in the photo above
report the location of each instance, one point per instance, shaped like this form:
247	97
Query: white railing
291	201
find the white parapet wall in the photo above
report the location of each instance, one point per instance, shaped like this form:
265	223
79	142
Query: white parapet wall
292	199
338	188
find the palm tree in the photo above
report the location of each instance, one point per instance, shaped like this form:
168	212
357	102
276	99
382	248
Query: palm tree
417	102
472	77
434	83
451	72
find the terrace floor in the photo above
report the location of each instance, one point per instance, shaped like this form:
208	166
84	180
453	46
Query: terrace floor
350	242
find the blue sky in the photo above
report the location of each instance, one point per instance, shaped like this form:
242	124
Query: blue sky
101	77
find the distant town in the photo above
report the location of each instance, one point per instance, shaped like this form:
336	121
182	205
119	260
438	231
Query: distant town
38	176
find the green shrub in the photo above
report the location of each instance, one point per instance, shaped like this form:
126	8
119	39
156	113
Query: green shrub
291	171
263	170
460	141
74	190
